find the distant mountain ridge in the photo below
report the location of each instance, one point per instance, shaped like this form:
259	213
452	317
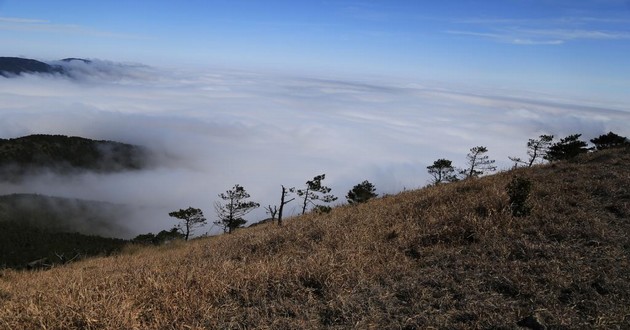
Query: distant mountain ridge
72	68
63	154
15	66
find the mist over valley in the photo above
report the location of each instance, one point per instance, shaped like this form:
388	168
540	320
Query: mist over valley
207	130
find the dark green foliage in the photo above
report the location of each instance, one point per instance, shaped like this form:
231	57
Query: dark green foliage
610	140
478	163
518	190
568	147
361	193
21	243
191	218
235	207
442	170
315	191
65	154
162	237
536	150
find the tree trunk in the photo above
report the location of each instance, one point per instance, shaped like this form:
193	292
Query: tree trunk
284	192
305	201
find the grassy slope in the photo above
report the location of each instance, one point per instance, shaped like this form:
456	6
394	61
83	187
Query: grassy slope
446	257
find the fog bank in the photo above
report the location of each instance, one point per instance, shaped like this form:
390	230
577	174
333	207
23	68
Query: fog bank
214	129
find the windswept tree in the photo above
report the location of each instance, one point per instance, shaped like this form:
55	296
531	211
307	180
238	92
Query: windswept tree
536	150
610	140
478	163
361	193
315	191
230	213
284	201
191	218
568	147
442	170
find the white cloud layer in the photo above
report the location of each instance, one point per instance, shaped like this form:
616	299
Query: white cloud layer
216	129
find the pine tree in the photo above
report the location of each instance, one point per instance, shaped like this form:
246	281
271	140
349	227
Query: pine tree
191	218
610	140
361	193
536	150
442	170
567	148
315	191
478	163
231	213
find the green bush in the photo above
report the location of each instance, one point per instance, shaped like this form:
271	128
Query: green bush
518	189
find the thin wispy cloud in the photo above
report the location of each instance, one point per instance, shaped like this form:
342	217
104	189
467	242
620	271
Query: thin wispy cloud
551	31
45	26
510	38
22	20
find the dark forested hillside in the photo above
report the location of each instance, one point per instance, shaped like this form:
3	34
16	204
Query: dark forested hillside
22	243
12	66
35	227
63	214
65	154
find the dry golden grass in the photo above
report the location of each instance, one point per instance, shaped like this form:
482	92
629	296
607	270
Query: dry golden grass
446	257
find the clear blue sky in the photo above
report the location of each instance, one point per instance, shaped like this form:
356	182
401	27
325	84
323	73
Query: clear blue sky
575	47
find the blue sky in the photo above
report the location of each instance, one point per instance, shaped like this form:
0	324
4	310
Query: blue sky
570	47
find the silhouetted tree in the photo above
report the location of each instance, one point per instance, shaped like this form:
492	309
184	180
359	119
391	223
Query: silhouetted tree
478	163
361	193
610	140
191	218
442	170
568	147
315	191
272	211
283	202
536	150
231	213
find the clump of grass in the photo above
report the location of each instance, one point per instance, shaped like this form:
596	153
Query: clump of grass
449	256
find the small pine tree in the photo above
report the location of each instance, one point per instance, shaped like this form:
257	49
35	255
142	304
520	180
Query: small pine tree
442	170
518	189
536	149
191	218
231	213
568	147
314	191
478	163
361	193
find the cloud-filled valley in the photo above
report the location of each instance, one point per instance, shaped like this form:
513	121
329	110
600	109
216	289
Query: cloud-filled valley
213	129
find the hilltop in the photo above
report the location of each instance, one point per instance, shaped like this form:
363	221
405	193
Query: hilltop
14	66
445	257
63	154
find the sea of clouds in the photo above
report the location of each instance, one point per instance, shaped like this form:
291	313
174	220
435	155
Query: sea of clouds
215	128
